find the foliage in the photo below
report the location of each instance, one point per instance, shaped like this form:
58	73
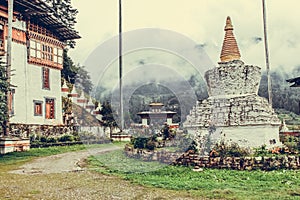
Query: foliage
283	96
224	149
151	145
66	14
210	183
4	87
139	142
69	70
142	142
51	140
108	120
76	74
67	105
261	151
83	80
66	138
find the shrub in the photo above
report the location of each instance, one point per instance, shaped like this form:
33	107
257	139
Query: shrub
66	138
139	142
43	138
150	145
223	149
51	140
261	151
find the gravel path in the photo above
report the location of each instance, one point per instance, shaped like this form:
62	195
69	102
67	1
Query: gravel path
61	163
63	176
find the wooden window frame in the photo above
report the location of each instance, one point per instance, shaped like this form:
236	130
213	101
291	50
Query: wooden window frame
46	78
50	101
35	104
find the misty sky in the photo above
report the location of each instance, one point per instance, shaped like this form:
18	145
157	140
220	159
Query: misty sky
202	21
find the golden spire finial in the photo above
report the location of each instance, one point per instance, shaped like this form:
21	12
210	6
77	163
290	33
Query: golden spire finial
228	24
230	50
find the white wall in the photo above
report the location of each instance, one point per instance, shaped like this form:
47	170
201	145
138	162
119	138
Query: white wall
28	79
246	136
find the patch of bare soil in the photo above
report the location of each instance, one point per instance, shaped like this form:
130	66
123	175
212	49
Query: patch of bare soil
61	163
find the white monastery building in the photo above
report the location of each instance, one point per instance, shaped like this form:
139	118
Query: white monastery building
37	60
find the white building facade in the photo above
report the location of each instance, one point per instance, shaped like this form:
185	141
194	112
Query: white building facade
37	61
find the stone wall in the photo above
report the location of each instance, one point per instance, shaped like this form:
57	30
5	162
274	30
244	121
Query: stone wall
239	163
24	130
235	163
147	155
233	78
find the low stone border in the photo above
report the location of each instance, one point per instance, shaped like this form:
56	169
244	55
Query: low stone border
239	163
235	163
147	155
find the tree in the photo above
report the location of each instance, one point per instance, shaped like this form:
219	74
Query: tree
76	74
65	14
108	120
4	87
69	70
83	80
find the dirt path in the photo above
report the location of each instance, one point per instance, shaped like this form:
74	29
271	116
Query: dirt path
61	163
63	177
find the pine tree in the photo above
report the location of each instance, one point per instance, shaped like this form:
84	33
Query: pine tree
65	14
108	120
69	70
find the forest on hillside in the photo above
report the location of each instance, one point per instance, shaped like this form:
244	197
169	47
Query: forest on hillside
283	96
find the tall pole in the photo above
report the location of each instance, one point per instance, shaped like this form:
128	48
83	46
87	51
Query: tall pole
267	51
120	67
8	60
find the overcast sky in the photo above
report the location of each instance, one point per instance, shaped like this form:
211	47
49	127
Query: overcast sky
200	20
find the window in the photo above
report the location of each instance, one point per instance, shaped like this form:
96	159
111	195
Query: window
45	52
44	48
11	102
46	78
50	109
38	108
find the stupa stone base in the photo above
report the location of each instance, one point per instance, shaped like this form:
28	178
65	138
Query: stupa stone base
232	111
245	136
248	120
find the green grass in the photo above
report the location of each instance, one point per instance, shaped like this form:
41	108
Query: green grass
211	183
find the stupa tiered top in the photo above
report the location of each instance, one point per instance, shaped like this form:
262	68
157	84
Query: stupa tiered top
230	50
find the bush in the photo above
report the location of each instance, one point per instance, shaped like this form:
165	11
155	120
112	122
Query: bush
150	145
43	138
223	149
261	151
139	142
66	138
51	140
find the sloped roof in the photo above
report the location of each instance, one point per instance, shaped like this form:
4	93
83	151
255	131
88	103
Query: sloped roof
40	12
296	82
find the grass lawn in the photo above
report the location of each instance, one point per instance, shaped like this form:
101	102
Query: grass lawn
210	183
